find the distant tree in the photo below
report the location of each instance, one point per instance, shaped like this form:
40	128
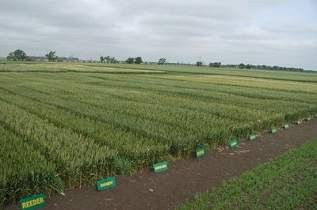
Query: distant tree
102	59
17	55
130	60
199	63
161	61
11	57
241	66
107	59
20	55
215	64
113	60
138	60
51	56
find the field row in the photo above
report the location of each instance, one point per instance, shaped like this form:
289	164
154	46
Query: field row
160	69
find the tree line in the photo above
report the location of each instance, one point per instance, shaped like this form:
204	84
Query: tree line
108	59
261	67
20	55
266	67
249	66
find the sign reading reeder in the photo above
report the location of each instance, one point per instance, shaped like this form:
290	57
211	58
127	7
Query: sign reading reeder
33	202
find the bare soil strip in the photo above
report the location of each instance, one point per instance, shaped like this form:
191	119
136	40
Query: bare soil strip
185	177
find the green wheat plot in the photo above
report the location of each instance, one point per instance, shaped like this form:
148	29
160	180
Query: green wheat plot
66	125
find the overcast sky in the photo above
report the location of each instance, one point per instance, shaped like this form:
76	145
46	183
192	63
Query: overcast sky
273	32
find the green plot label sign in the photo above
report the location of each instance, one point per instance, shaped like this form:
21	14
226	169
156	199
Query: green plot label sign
252	137
233	142
274	130
200	151
33	202
160	167
107	183
286	126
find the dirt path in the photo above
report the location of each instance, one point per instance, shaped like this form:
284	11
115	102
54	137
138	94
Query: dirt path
186	177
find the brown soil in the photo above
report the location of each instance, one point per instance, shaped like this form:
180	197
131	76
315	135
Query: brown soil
186	177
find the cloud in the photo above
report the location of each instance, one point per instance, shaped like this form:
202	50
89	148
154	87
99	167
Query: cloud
262	32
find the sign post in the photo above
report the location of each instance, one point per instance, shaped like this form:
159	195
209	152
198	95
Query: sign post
160	167
233	142
33	202
106	183
285	126
200	151
273	130
252	136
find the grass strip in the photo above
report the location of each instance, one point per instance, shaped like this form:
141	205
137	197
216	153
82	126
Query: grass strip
283	183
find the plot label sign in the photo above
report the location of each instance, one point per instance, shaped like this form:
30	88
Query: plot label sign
33	202
286	126
252	137
200	151
107	183
233	142
160	167
274	130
